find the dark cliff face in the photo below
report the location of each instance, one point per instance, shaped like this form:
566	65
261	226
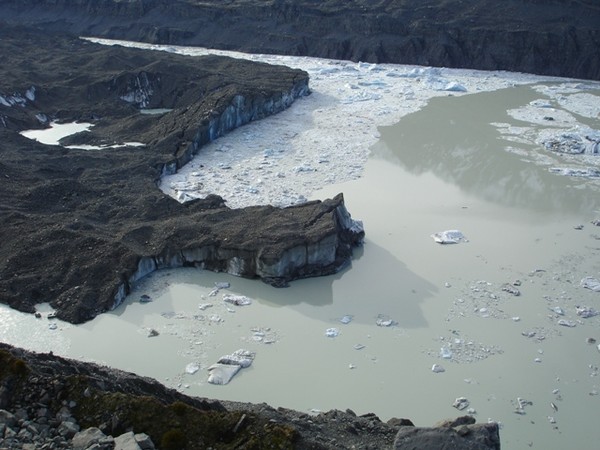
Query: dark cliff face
548	37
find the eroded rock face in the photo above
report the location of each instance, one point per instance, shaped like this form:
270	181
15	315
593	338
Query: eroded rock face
550	37
79	227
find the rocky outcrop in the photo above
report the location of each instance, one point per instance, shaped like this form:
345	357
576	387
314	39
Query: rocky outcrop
45	399
462	433
550	37
79	227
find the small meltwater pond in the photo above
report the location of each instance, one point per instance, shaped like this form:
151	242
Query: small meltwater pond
57	131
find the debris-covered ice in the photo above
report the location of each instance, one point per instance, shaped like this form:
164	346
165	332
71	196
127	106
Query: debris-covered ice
591	283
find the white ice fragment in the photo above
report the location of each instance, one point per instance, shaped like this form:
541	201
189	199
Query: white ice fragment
537	360
332	332
346	319
436	368
445	353
222	373
351	366
567	323
222	284
455	87
30	93
585	312
461	403
558	310
215	318
516	319
384	322
449	237
192	368
361	346
591	283
237	300
203	306
241	357
52	326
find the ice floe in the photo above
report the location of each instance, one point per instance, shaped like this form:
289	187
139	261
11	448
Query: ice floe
449	237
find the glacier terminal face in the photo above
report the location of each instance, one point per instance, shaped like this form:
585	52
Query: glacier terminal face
101	222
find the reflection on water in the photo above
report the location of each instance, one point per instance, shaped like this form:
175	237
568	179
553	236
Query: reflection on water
453	137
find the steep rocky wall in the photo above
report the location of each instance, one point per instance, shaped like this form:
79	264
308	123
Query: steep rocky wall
549	37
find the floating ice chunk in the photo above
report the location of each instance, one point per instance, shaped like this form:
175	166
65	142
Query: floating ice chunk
358	346
241	357
461	403
587	172
507	287
558	310
449	237
567	323
237	300
346	319
203	306
332	332
192	368
152	332
436	368
383	321
222	284
591	283
575	142
445	353
222	373
455	87
585	312
52	326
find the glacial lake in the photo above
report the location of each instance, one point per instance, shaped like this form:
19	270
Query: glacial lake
445	167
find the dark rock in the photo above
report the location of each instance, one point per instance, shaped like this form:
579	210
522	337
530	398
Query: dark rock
465	437
551	37
80	227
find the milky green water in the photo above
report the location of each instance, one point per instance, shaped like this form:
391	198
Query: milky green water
444	167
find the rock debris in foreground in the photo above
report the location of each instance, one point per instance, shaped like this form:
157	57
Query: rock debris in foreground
51	402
